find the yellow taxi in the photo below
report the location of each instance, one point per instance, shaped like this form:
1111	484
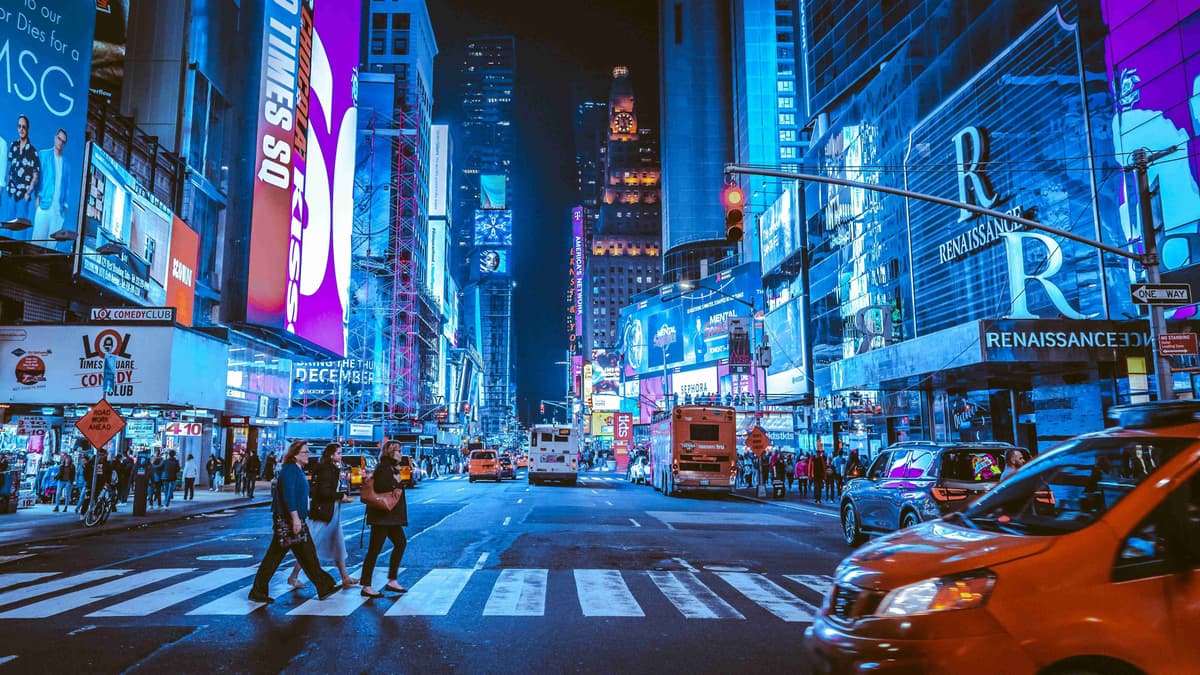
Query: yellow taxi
522	460
483	464
1085	560
407	479
355	465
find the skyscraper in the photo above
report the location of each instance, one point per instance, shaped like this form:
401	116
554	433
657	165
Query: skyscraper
483	217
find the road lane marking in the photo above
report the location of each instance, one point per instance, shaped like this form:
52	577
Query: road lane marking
686	565
341	603
692	598
818	582
460	489
482	559
507	520
635	523
447	517
518	592
521	501
6	659
57	585
433	595
604	593
237	604
63	603
145	605
770	596
608	502
595	492
18	578
353	520
428	501
14	558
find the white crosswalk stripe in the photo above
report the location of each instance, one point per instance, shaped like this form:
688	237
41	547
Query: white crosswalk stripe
512	592
518	593
14	558
434	594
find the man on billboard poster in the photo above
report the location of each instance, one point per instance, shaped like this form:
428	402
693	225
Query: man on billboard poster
52	197
23	169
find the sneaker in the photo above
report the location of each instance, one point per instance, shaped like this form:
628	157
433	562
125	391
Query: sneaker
256	596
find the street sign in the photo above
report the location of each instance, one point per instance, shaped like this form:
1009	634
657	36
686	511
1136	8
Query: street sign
130	314
100	424
1177	344
757	440
1161	294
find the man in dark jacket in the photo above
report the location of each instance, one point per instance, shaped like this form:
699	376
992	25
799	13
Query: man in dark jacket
252	467
170	475
817	471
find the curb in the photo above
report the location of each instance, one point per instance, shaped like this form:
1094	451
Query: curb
109	528
793	507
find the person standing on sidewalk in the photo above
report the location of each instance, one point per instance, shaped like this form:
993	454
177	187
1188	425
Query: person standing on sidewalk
191	471
252	468
124	474
156	478
212	468
790	468
801	472
170	475
239	464
289	508
817	469
64	482
838	464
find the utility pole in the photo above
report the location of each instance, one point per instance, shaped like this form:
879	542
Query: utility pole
1150	261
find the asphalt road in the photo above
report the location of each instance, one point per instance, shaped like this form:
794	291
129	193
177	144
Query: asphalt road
602	577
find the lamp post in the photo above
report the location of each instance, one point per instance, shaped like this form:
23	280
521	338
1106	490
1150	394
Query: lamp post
1149	259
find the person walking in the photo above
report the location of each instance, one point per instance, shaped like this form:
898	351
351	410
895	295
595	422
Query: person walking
211	468
239	463
124	475
325	516
817	468
191	471
156	478
386	525
64	482
790	468
289	508
838	465
170	475
801	472
252	468
269	467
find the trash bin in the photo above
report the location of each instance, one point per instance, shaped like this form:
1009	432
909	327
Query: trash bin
777	489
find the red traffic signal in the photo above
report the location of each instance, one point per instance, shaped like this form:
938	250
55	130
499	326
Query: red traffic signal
543	407
733	198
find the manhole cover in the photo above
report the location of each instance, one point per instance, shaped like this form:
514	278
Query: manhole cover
725	568
224	556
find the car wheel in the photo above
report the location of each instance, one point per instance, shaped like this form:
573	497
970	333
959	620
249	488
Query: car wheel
909	519
851	532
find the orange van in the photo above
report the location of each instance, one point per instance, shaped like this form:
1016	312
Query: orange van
483	464
1086	560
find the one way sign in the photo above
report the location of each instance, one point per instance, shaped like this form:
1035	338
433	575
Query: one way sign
1161	294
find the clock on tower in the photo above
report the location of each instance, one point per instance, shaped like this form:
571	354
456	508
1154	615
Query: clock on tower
623	122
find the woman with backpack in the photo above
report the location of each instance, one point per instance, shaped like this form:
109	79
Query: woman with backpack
325	516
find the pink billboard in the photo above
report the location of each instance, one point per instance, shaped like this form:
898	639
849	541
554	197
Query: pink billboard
299	268
577	266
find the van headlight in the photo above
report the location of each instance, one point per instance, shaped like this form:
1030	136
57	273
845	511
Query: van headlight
944	594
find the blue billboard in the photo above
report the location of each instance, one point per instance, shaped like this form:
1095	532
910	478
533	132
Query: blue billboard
779	228
690	326
493	228
45	68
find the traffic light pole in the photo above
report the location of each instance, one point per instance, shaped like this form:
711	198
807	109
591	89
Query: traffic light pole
1148	260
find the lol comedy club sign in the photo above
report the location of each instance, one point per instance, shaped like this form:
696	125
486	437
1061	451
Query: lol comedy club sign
82	364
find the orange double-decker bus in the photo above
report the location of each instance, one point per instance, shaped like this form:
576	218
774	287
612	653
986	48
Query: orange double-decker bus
694	447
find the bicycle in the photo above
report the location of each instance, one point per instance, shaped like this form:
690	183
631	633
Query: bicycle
98	510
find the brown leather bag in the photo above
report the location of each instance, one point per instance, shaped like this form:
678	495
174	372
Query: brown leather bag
386	501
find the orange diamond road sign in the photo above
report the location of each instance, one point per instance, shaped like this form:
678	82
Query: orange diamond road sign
100	424
757	440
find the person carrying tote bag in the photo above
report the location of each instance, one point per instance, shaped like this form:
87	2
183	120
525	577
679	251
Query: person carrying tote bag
387	522
289	508
325	516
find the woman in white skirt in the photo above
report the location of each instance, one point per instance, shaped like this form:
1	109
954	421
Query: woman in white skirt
325	516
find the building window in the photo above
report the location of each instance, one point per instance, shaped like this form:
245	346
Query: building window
787	152
379	21
787	135
400	20
787	103
377	45
786	85
787	119
400	45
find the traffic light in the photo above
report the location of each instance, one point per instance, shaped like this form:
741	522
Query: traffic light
543	408
734	200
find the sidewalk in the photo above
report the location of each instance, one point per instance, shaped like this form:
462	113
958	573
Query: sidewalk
40	523
791	500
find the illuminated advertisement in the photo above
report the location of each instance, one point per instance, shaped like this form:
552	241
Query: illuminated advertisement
492	189
46	68
780	228
325	379
576	373
602	423
785	333
299	264
700	382
577	265
439	169
435	280
132	227
606	371
493	261
650	396
1154	74
968	267
493	228
181	270
690	328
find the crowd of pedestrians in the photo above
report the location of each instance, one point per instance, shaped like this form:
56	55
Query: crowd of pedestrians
811	474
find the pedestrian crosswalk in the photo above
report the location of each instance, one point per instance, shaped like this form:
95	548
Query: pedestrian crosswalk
509	592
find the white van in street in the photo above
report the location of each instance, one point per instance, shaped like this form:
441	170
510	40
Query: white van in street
553	454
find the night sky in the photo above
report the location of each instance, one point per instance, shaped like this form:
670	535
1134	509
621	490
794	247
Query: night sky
564	51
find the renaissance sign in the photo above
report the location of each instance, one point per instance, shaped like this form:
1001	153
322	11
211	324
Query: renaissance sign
1063	340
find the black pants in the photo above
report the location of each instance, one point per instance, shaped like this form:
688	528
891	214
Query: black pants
305	553
380	533
189	488
156	493
250	480
818	489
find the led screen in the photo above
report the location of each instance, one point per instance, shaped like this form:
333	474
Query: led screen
493	228
492	188
780	229
493	261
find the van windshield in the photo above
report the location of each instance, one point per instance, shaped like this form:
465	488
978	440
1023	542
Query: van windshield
1070	487
483	454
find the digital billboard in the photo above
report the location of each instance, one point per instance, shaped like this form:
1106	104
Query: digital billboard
493	228
181	270
133	228
45	65
439	169
299	262
493	261
690	328
435	280
606	371
577	267
785	332
780	228
492	190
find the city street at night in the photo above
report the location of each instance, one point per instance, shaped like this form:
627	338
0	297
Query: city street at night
602	577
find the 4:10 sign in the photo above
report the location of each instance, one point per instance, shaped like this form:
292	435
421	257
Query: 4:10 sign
184	429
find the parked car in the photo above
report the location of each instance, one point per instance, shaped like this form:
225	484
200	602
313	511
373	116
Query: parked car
355	466
639	471
1082	561
915	481
507	468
